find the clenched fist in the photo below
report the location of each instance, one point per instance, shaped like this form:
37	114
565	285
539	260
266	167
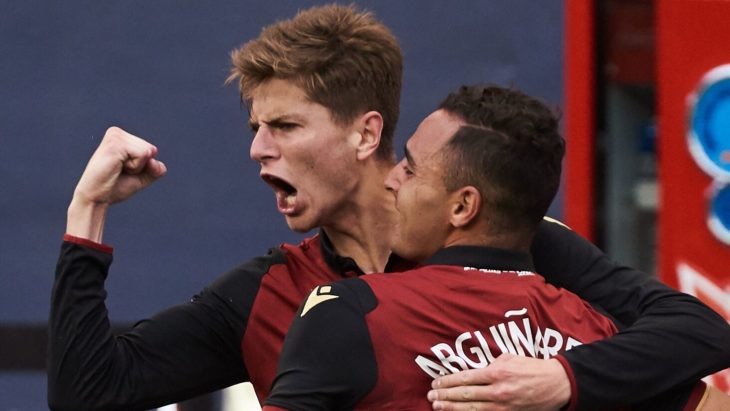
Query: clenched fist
122	165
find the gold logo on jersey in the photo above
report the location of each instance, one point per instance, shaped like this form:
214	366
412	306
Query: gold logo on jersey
318	295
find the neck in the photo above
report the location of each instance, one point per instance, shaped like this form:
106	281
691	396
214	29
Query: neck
516	241
363	232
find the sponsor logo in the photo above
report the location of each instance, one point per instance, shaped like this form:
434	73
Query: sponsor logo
708	140
318	296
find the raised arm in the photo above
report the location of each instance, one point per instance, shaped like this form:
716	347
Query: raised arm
178	353
671	339
122	165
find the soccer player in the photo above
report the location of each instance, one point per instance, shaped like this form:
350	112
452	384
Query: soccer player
323	93
469	200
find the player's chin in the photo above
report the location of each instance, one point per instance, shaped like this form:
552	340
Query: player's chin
412	248
394	241
401	249
300	223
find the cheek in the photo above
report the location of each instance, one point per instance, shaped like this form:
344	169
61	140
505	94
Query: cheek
330	175
421	235
327	155
311	160
423	212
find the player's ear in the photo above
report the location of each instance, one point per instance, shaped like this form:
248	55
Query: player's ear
370	126
465	205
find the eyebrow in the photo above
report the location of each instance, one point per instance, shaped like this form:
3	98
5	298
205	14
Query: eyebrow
277	121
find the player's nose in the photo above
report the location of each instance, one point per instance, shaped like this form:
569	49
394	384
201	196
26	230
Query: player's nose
392	180
263	146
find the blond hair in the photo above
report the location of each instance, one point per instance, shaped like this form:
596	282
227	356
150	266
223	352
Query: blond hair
344	59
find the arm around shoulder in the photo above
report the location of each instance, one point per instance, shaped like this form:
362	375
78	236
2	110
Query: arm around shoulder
649	356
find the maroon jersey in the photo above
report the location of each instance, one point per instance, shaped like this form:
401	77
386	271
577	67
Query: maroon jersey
378	341
295	272
196	347
281	289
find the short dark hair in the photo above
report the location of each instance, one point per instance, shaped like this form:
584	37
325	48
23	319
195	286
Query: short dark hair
343	58
510	149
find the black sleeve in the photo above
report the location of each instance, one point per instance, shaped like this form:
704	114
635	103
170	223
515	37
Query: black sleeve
685	397
327	361
177	354
671	341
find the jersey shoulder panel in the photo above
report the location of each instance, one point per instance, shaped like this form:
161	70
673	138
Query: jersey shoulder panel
327	360
238	287
352	294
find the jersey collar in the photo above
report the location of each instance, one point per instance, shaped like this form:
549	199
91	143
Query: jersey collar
343	265
483	257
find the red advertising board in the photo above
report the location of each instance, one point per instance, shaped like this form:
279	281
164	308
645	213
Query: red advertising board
693	68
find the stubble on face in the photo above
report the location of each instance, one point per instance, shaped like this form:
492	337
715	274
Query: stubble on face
421	199
313	157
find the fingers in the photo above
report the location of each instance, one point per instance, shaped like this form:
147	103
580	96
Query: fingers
474	397
467	406
468	377
136	155
462	394
465	390
132	151
464	406
510	382
153	170
480	376
122	165
137	160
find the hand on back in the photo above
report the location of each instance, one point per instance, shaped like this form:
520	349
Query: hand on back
509	383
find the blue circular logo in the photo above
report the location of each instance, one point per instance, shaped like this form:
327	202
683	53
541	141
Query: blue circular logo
719	221
710	124
709	143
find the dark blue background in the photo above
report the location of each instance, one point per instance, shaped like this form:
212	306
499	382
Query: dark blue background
70	69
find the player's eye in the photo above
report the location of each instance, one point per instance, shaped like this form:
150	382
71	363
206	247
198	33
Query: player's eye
286	126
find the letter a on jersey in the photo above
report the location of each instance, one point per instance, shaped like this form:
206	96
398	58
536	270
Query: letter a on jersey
318	295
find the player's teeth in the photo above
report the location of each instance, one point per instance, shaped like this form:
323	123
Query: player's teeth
290	200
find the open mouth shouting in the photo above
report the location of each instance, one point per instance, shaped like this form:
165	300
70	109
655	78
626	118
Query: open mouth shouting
286	194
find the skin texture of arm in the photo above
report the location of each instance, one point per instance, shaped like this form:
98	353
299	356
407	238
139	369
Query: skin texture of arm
180	352
646	358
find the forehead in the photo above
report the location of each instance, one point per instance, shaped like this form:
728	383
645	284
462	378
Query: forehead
278	98
433	132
